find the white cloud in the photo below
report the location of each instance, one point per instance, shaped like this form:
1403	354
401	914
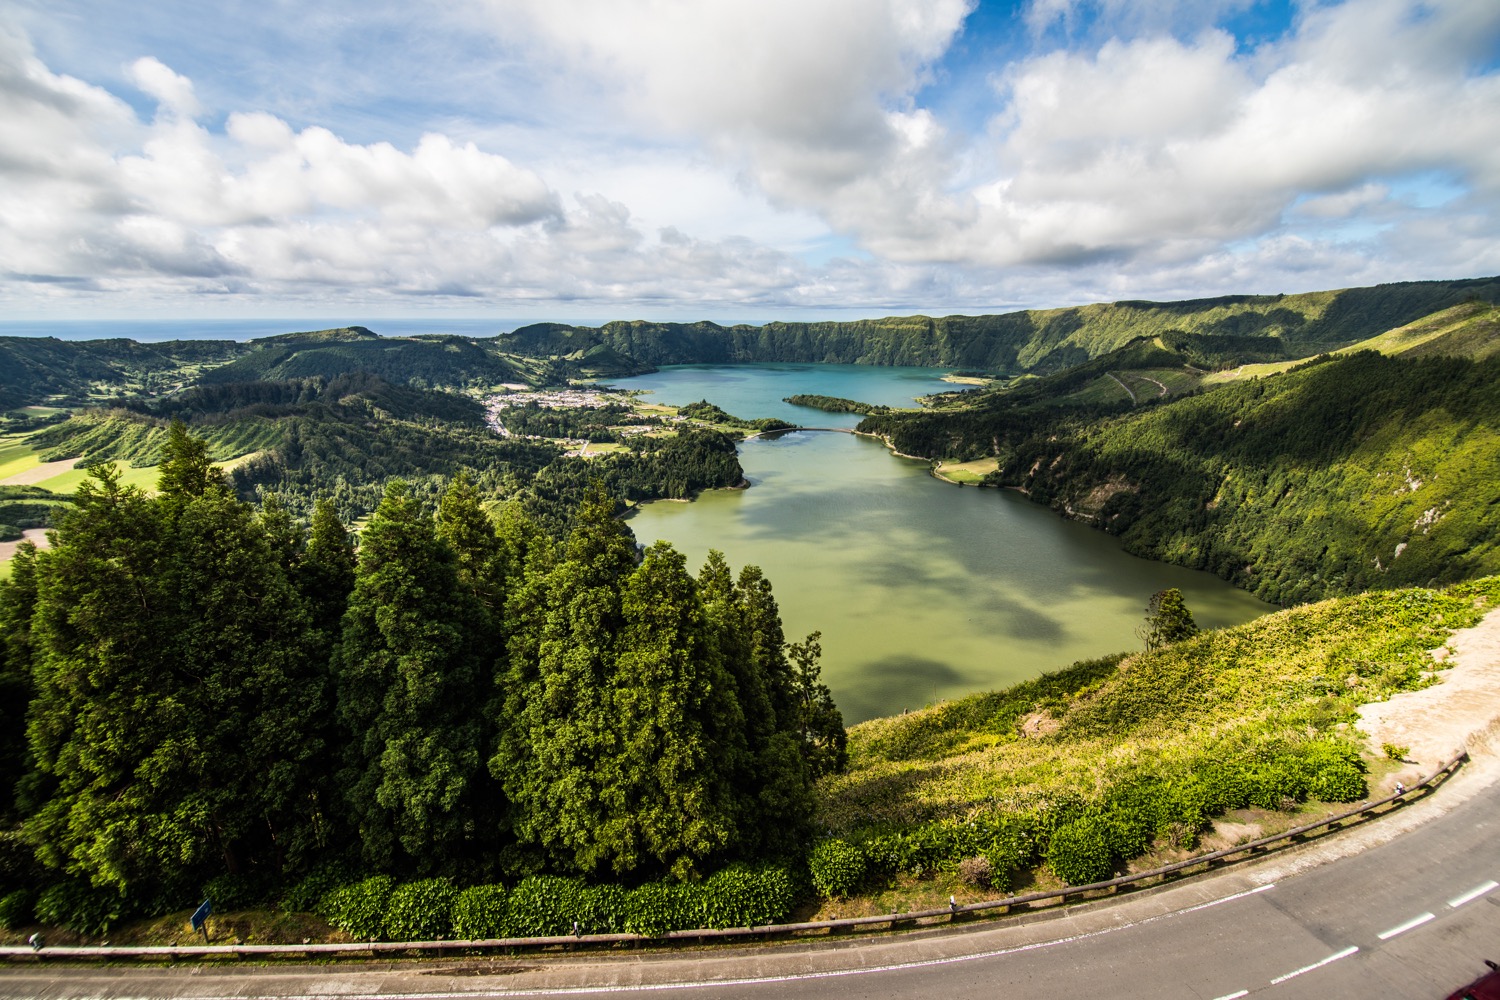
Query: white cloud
174	93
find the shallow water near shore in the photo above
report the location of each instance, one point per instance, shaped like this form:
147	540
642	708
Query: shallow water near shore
922	590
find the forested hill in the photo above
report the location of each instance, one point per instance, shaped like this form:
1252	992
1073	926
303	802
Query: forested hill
1343	474
45	369
1034	340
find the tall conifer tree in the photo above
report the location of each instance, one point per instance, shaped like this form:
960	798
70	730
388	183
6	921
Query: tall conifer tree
409	692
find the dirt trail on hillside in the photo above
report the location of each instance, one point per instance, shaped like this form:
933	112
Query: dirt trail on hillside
1460	712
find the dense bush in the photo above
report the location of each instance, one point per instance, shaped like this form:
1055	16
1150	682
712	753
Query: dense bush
17	909
420	911
836	867
658	907
1079	851
742	896
359	909
81	907
547	905
479	912
1336	773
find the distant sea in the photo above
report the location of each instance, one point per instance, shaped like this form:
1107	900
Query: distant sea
152	330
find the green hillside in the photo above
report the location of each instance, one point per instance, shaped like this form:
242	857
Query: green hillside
422	361
1034	340
1342	474
47	370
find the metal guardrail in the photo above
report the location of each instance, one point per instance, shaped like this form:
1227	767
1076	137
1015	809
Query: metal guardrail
707	934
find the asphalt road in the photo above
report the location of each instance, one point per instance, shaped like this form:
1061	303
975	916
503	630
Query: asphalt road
1408	918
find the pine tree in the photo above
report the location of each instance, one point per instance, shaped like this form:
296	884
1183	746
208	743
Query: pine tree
560	741
409	692
673	803
17	602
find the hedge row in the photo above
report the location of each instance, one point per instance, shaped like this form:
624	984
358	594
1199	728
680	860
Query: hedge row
1084	842
547	905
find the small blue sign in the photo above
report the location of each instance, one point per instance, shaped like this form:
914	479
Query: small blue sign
201	914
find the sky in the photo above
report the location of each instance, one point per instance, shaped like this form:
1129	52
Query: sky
734	161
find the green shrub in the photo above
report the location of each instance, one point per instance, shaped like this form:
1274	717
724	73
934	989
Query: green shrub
307	896
81	907
420	911
1395	752
359	909
1275	784
548	905
836	867
1007	852
742	896
17	909
479	912
237	892
1335	771
1079	852
658	907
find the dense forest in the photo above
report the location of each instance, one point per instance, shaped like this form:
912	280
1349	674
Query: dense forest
195	688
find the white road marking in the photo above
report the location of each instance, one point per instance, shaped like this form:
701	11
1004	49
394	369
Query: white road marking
1234	996
750	980
1316	965
1473	894
1413	922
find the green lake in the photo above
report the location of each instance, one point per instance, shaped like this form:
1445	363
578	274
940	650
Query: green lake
922	590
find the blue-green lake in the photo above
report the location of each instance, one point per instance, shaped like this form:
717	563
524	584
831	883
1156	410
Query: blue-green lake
922	590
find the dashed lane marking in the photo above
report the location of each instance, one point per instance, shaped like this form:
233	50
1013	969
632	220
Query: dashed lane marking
1473	894
1403	928
1316	965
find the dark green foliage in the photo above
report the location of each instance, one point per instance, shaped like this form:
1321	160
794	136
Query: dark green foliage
359	909
1080	851
17	603
408	680
420	911
481	912
837	868
17	909
1168	619
818	720
835	404
308	894
230	892
79	906
188	653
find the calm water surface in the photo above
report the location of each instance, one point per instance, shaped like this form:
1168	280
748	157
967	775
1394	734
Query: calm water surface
922	590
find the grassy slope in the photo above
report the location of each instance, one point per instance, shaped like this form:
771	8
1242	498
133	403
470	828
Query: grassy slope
1277	681
1470	330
